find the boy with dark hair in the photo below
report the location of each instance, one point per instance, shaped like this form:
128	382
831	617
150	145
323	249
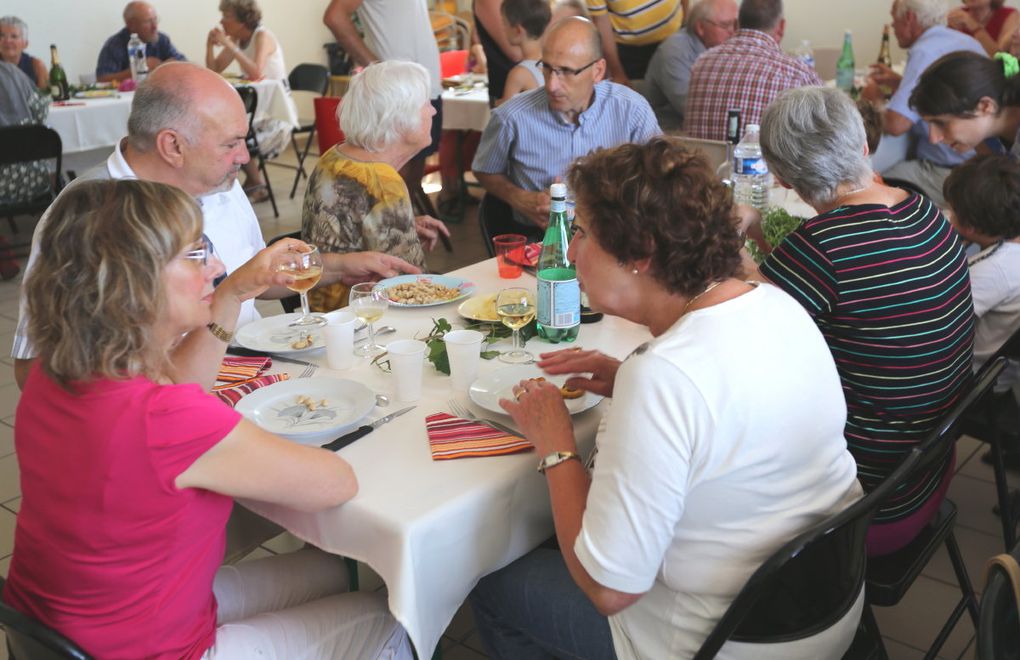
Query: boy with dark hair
524	22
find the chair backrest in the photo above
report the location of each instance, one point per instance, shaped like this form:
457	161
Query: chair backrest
998	629
250	97
715	150
27	639
23	144
452	62
309	78
327	126
810	582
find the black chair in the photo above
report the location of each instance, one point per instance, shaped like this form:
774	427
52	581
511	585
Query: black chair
24	144
495	217
27	639
998	631
306	78
290	303
250	97
813	581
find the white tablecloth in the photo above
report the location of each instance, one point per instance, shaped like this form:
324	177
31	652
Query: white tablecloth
465	111
429	528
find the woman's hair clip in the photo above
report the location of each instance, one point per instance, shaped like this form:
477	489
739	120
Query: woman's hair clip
1010	65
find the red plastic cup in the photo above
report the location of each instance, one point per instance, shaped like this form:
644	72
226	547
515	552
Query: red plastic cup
509	254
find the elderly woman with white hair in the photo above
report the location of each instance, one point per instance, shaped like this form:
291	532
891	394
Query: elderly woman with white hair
356	199
13	42
884	276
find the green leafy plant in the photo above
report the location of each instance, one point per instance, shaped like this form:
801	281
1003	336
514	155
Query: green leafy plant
776	224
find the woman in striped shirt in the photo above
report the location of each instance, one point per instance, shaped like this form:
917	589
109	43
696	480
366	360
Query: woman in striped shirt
885	278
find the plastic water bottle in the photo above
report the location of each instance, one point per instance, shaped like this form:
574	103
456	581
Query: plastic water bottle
559	295
137	59
750	172
805	53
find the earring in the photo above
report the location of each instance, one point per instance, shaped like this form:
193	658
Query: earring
634	271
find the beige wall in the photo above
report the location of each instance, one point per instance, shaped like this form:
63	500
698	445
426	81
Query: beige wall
83	25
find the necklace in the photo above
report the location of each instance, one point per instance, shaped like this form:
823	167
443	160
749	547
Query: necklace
693	300
851	192
978	258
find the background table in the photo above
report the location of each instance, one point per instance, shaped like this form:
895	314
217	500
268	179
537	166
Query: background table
429	528
465	111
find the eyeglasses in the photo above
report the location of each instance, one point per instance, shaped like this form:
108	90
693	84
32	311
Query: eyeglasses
201	254
564	71
732	26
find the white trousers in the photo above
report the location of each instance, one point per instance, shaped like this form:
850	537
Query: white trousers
295	606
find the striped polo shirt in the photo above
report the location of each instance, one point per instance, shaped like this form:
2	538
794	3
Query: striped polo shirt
889	289
640	22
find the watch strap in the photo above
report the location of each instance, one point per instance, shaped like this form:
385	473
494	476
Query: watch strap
219	332
557	457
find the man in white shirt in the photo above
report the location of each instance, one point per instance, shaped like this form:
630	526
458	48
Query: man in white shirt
187	128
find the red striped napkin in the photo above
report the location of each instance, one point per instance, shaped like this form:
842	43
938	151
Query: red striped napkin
455	437
531	252
235	369
231	394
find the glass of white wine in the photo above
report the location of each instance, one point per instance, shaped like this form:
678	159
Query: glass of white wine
369	304
516	309
306	268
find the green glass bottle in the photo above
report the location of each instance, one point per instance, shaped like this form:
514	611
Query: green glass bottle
845	65
559	296
58	79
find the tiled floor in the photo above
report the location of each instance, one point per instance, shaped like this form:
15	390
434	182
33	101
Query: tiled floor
908	628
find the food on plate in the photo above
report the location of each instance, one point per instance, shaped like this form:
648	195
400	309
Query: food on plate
304	341
570	392
420	292
481	308
310	403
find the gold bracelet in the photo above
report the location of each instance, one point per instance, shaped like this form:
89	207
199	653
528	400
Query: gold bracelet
557	457
219	332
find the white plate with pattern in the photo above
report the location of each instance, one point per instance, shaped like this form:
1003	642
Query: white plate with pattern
338	406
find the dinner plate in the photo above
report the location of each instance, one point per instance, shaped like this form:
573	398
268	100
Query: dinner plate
96	94
464	287
480	308
276	409
274	334
496	385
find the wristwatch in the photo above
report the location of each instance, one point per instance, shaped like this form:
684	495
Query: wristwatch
555	458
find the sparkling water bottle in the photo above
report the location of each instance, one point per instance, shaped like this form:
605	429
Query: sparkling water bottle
559	296
750	172
137	59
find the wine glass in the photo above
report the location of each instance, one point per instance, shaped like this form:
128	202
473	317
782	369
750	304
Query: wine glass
306	268
516	309
369	304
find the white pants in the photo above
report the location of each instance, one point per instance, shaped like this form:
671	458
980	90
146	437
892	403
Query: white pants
294	606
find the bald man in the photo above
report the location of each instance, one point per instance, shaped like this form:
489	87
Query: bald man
534	137
139	18
187	129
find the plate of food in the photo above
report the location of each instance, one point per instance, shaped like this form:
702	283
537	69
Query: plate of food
425	290
308	409
480	308
275	334
499	384
96	94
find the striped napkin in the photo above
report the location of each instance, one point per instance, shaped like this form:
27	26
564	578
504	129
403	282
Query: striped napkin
531	253
236	369
455	437
231	394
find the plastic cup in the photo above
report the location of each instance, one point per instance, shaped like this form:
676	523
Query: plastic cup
407	358
509	254
463	348
339	335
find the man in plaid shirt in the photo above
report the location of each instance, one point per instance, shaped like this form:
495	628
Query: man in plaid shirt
745	72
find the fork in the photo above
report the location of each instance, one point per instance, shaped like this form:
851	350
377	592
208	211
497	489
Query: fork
308	370
465	412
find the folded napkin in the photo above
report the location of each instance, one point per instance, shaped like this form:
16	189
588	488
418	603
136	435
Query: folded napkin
231	394
234	370
455	437
531	252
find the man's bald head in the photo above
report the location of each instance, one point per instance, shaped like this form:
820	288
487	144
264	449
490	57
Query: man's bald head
141	18
572	32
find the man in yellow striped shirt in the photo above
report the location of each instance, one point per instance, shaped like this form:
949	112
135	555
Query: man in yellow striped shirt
631	30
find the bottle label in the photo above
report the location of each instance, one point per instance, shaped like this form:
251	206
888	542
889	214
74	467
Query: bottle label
558	205
750	166
559	298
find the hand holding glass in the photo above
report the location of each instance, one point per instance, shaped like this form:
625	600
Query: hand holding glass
369	304
306	268
516	309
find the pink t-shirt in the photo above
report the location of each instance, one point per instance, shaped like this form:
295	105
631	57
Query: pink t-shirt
107	550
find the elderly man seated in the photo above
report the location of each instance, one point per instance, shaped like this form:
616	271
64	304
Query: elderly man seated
710	23
532	138
139	18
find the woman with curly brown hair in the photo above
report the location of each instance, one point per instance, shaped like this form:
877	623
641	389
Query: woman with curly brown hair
701	472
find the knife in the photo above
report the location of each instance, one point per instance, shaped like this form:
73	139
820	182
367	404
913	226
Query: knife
362	431
251	352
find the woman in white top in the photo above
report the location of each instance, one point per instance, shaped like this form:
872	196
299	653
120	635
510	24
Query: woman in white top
724	439
242	38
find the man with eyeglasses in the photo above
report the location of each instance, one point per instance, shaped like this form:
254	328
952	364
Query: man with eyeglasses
709	23
533	138
139	18
746	72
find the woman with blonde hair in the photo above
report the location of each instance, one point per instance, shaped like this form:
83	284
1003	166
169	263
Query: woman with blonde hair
128	479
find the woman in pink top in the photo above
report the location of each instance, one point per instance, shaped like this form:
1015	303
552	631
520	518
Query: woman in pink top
127	478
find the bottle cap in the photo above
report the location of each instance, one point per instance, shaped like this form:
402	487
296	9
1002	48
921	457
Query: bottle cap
558	190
